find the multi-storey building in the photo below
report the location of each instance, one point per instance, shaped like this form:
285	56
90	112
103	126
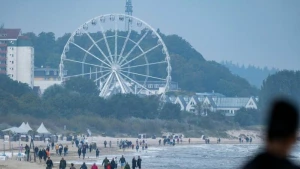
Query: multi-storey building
16	56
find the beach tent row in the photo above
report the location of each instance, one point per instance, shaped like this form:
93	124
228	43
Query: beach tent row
25	128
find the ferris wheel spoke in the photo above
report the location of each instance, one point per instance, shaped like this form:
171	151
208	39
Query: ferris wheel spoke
124	45
95	44
136	82
105	39
148	76
86	74
132	49
99	78
147	64
116	41
86	63
90	53
140	55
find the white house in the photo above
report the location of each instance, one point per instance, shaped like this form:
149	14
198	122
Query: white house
182	101
229	105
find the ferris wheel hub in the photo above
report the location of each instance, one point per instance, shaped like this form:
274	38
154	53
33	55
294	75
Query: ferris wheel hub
115	67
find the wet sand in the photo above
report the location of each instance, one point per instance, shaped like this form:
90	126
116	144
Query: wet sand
72	156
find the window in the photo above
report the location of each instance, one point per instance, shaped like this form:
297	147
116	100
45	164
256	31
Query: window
150	86
47	72
156	86
12	62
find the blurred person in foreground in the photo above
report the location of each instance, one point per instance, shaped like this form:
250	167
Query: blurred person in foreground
281	135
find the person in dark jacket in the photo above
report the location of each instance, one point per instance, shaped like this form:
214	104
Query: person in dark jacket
97	153
40	155
79	152
122	161
281	135
105	162
133	165
62	164
44	155
139	162
113	163
83	166
83	152
49	163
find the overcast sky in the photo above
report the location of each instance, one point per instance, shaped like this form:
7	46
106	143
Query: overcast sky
258	32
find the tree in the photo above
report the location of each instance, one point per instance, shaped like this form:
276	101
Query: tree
284	83
170	112
82	86
248	117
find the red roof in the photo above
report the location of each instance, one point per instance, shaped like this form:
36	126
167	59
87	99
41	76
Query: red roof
9	33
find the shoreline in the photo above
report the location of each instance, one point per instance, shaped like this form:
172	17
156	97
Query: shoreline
72	156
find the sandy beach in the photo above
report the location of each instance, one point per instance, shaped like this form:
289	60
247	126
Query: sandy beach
12	162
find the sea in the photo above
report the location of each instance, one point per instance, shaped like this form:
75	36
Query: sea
204	156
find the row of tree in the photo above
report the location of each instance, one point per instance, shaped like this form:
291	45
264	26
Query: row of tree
79	97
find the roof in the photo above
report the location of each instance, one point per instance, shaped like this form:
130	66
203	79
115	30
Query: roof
42	130
25	127
16	130
231	102
182	100
210	94
9	33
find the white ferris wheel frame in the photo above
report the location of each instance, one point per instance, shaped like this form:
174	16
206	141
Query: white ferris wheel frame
114	62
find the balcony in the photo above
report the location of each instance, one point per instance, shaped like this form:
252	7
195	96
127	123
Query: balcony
2	71
2	58
2	64
3	51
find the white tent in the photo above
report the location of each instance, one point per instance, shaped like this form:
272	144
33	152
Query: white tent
16	130
28	127
25	127
42	130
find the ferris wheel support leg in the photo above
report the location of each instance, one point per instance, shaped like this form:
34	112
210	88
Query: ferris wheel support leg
121	83
105	88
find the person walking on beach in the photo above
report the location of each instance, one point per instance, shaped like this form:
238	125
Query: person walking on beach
72	166
94	166
127	166
116	161
113	163
189	140
109	144
44	155
133	164
105	143
49	163
40	155
281	135
137	147
123	162
83	152
105	162
79	152
139	162
62	164
97	153
83	166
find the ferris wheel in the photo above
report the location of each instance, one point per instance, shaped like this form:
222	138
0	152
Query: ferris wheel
118	59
